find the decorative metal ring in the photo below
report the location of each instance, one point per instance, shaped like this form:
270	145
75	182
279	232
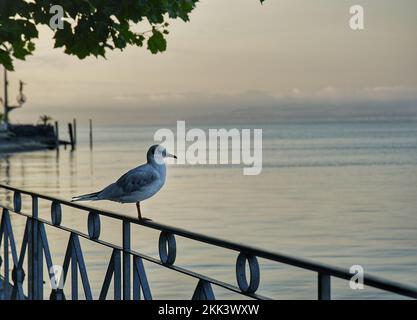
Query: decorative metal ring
93	225
242	281
18	275
56	213
167	255
17	201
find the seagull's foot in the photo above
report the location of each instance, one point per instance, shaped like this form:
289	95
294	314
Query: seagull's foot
140	218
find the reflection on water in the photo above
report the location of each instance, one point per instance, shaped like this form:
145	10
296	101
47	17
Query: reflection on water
339	193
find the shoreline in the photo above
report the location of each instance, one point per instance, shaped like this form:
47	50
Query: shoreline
21	138
22	145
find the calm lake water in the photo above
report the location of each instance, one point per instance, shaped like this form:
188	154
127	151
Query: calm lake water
343	194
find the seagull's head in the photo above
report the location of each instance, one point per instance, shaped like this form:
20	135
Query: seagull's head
157	153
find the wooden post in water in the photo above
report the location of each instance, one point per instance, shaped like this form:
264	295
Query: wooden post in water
6	100
74	126
56	134
71	135
91	134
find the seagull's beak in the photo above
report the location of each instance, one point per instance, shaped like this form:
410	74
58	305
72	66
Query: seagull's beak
171	156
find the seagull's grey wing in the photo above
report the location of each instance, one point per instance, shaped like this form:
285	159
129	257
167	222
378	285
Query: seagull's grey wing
130	182
136	179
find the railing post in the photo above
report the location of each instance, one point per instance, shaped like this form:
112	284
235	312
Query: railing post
30	258
324	288
35	256
126	260
6	258
39	262
117	276
74	275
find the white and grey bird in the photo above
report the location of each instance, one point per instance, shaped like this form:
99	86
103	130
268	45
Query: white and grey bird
138	184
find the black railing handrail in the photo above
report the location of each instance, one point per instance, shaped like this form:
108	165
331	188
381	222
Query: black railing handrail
320	268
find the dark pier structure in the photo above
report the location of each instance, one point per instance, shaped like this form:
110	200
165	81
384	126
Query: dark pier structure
28	137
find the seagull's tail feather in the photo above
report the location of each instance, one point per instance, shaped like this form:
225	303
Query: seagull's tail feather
86	197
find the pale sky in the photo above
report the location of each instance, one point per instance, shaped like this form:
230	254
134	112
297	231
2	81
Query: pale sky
238	59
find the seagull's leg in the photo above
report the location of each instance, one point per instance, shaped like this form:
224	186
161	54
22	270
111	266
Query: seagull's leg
139	213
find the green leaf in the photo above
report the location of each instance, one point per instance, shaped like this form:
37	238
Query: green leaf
31	46
6	60
19	50
157	42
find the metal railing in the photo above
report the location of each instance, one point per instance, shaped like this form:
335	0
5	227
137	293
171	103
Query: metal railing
123	259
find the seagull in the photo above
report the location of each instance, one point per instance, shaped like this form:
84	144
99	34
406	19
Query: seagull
138	184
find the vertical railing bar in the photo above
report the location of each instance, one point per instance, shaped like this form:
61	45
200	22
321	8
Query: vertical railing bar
1	228
3	235
35	253
17	292
40	262
48	257
126	260
8	226
45	247
136	281
83	269
24	245
30	258
1	239
107	278
324	286
74	275
18	289
9	240
67	258
117	279
6	257
140	269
